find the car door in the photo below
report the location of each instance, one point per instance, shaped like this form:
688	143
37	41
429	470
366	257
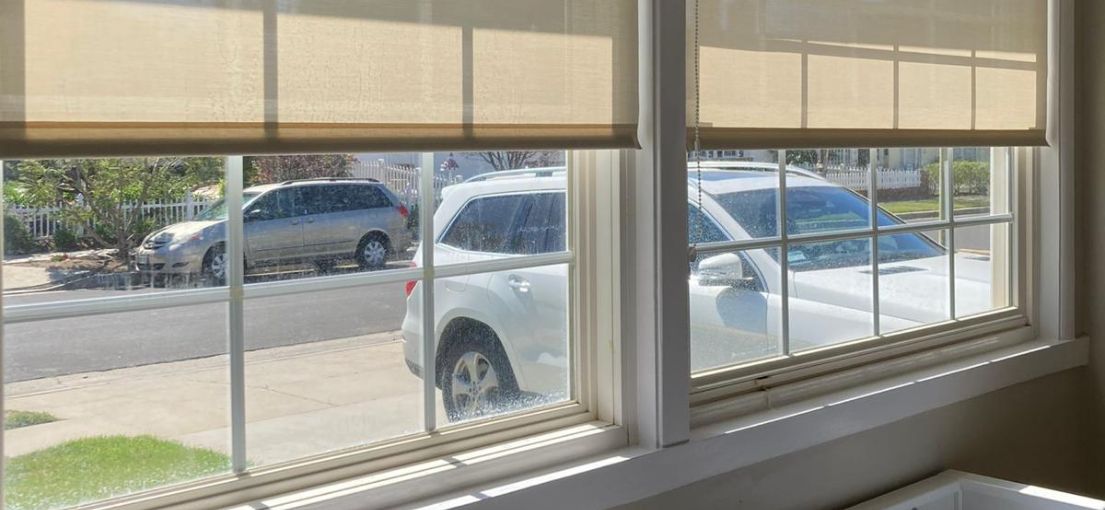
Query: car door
273	227
535	299
319	229
355	210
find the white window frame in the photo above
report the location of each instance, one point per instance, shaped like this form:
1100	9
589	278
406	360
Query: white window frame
592	331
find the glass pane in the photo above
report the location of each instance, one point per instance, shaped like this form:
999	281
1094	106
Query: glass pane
328	374
108	405
507	203
502	341
913	280
979	172
831	291
828	190
100	227
322	215
734	308
982	269
910	184
738	190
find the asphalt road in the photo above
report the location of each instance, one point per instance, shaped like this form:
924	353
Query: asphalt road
104	342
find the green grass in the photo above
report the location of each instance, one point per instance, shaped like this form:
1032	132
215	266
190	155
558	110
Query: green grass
18	419
933	204
97	468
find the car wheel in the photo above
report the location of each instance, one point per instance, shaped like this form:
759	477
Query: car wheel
215	264
372	252
476	378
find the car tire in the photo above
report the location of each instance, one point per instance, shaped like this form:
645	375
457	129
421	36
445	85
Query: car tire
475	376
215	265
373	251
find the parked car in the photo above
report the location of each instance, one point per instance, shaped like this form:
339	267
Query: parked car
503	335
317	221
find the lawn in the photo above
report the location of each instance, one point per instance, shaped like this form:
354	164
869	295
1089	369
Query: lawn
933	204
18	419
97	468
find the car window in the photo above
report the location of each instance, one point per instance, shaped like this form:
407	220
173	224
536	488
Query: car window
316	199
701	228
486	224
819	209
274	205
541	226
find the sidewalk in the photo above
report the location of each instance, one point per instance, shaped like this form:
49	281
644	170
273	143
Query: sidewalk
300	400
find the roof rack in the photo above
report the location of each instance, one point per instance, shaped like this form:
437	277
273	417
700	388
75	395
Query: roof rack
331	179
536	172
722	167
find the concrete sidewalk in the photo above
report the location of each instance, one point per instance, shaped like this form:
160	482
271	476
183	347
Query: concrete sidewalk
300	400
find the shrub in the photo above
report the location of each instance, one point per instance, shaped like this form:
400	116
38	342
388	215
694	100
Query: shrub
66	240
17	239
969	177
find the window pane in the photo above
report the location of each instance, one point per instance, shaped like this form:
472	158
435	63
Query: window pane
979	173
739	194
735	308
910	184
913	280
982	270
326	371
830	292
107	405
94	227
326	215
502	341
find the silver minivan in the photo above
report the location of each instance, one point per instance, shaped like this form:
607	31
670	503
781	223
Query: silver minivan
318	221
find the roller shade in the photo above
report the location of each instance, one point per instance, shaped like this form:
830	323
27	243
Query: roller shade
868	73
134	77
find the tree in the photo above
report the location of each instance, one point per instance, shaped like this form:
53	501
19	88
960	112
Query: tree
269	169
510	160
109	193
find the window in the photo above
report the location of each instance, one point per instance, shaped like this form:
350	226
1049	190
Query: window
875	246
314	342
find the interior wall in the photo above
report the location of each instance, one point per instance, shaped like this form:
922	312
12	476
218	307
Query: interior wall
1030	433
1090	208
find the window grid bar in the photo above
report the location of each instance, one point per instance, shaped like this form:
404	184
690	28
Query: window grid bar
873	205
905	228
784	262
235	234
946	169
1011	173
3	361
429	334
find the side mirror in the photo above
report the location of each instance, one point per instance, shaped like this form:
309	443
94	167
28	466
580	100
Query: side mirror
725	270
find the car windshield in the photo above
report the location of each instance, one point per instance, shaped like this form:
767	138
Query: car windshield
815	209
217	211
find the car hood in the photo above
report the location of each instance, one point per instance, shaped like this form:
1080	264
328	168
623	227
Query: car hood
186	229
912	290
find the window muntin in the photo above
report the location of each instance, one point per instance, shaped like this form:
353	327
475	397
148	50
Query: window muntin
831	261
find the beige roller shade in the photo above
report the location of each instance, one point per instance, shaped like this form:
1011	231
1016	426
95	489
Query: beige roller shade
131	77
867	73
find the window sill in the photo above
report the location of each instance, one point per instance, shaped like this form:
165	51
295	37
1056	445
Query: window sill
714	449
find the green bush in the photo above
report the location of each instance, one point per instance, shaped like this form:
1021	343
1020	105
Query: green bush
969	177
17	239
66	240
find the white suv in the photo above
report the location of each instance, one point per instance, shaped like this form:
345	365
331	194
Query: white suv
502	337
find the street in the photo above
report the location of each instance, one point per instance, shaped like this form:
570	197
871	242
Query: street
104	342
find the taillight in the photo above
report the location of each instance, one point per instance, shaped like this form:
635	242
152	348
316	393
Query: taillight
403	211
410	285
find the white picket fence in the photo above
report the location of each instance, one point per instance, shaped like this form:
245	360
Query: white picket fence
401	179
888	178
45	221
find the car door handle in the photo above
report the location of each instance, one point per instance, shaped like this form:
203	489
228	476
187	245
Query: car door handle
518	283
295	222
310	220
